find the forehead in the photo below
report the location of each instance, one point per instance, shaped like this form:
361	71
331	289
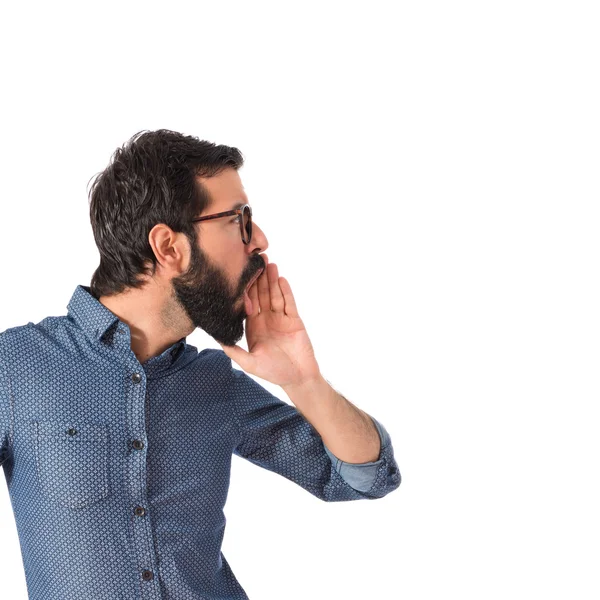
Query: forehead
226	191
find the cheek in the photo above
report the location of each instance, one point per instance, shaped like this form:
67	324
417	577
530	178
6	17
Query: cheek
225	259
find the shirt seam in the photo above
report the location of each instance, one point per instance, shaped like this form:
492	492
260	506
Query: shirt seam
231	399
11	405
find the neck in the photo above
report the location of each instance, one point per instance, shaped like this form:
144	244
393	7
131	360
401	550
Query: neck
155	322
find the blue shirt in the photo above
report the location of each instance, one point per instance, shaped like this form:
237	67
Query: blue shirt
118	471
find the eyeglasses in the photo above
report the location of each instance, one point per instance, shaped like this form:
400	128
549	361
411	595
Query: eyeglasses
245	221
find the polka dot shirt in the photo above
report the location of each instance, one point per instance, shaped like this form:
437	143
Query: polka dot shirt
121	468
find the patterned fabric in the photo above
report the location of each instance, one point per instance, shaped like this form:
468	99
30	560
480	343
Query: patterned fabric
118	471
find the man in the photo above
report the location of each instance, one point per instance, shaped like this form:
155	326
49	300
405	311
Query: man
116	435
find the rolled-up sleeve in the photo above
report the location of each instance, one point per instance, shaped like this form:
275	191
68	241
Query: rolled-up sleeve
362	476
5	412
275	436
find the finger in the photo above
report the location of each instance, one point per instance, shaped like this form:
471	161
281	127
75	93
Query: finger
253	295
290	303
277	301
245	359
264	299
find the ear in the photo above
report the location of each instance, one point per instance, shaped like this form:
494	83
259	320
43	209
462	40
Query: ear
172	250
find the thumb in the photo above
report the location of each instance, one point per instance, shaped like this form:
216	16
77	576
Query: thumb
237	354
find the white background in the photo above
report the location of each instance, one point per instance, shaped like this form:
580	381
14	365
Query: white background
427	176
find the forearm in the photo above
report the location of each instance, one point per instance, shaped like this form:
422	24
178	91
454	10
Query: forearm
345	429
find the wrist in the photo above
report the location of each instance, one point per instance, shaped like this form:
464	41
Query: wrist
306	386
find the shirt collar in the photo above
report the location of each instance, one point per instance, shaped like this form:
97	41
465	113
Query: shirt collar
101	325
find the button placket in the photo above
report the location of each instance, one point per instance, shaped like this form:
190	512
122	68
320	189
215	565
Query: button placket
143	536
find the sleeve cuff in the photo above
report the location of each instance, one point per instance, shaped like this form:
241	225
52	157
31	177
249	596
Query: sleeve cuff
361	476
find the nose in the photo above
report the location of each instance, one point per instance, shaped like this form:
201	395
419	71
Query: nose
259	242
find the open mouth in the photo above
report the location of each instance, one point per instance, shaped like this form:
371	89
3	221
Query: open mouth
247	302
258	274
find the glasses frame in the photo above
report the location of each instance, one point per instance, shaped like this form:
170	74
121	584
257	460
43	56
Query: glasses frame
227	213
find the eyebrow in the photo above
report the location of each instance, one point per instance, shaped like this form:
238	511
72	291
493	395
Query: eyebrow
238	205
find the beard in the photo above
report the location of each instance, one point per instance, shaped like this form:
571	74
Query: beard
204	293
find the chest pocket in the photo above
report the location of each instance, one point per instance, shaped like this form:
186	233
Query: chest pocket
72	461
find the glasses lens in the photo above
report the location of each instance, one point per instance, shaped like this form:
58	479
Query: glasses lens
247	229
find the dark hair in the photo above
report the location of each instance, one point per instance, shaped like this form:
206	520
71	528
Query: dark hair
150	180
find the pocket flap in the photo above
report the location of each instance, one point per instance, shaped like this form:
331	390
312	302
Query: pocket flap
72	430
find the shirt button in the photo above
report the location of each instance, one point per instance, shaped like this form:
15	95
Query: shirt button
137	444
136	378
139	511
147	575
